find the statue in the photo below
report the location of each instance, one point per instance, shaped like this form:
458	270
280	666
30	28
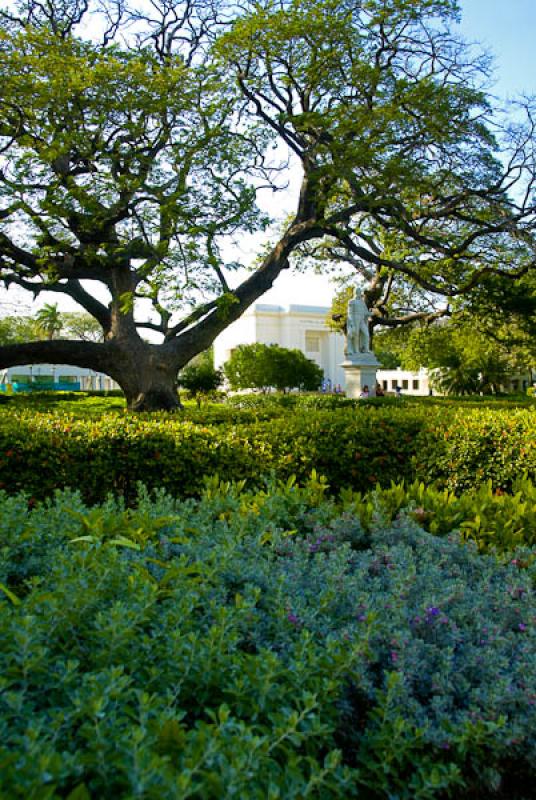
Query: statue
357	331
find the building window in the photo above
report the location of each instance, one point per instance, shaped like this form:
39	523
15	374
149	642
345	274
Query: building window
416	385
405	384
394	384
312	343
385	385
68	379
43	378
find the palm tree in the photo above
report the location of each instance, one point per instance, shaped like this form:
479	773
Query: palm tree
49	320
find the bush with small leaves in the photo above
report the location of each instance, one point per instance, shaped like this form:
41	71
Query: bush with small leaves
259	644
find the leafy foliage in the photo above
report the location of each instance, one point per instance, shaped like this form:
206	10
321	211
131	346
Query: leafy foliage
353	444
494	520
49	320
18	329
80	325
259	644
201	379
261	366
464	358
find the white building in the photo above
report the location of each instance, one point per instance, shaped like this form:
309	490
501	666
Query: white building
304	328
296	327
54	376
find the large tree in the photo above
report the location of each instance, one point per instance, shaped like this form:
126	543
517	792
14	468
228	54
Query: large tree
129	159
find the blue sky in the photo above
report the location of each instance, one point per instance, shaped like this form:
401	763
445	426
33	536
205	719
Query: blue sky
508	29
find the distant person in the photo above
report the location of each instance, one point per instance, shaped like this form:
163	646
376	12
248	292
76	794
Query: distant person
398	391
365	392
379	390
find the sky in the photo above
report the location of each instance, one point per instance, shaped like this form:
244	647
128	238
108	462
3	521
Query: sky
507	28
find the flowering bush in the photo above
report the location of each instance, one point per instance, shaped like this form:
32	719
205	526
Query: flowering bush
468	448
354	445
259	644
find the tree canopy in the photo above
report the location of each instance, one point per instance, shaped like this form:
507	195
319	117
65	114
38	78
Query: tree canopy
68	324
263	366
135	146
463	354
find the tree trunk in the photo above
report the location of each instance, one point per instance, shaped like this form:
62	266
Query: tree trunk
147	375
152	392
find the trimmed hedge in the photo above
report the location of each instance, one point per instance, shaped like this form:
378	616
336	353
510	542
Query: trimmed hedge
42	452
470	447
356	447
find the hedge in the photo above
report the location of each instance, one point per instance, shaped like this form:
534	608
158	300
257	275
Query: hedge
356	447
470	447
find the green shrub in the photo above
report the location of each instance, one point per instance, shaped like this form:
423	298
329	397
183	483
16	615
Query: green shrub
495	521
256	645
355	446
358	446
43	452
465	449
293	401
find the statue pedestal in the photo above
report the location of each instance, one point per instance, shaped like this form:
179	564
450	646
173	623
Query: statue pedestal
360	371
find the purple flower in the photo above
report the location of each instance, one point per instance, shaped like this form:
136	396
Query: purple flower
433	611
522	626
292	618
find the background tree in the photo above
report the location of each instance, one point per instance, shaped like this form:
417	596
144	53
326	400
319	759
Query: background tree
49	320
201	379
248	367
261	366
463	359
14	330
131	159
291	369
80	325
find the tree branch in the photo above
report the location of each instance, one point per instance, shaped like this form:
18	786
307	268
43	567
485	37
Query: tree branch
91	355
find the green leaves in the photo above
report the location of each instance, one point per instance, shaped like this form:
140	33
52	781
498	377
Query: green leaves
458	444
333	663
9	594
260	366
98	135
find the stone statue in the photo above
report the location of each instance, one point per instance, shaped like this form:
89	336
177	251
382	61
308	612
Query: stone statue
357	331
